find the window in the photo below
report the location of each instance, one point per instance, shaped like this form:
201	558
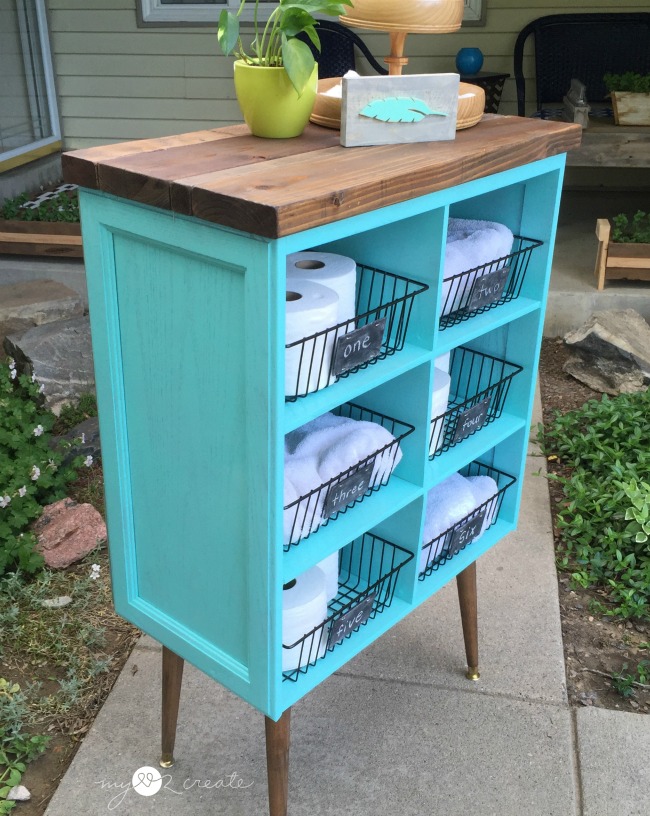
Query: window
159	12
29	122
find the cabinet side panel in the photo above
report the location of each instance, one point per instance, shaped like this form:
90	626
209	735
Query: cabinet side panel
180	334
180	324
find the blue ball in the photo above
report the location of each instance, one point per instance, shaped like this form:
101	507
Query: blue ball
469	60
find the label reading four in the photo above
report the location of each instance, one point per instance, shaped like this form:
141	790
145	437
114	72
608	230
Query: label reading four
352	620
488	288
358	347
471	420
348	490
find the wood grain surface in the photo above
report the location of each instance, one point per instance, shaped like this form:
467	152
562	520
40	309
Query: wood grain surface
275	187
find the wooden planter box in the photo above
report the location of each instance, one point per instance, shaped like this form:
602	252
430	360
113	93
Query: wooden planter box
631	108
58	239
619	261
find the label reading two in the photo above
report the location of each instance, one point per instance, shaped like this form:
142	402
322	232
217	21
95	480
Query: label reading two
466	533
471	420
358	347
348	490
488	288
352	620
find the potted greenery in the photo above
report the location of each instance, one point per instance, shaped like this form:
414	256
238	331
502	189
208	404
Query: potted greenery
630	94
276	78
624	250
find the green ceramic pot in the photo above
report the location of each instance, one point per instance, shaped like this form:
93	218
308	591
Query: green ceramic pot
269	102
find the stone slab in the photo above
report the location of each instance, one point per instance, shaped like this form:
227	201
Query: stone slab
613	754
69	271
42	301
60	356
359	745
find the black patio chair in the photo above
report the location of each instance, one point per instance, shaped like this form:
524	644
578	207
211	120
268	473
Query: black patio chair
337	55
584	47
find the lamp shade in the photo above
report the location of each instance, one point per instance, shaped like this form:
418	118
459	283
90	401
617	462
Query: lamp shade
416	16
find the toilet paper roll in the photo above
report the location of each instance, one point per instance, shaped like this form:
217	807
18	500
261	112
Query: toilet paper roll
442	362
330	568
304	607
334	271
484	489
439	403
310	308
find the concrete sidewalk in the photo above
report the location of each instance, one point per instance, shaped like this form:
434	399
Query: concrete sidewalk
398	730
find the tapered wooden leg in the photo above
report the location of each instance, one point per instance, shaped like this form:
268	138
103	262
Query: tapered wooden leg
172	677
466	583
277	763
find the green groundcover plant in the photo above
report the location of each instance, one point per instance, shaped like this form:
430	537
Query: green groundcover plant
62	207
604	522
32	473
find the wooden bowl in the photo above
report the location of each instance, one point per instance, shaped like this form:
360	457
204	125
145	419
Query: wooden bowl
327	109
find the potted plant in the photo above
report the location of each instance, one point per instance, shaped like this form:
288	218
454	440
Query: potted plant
624	250
276	78
630	94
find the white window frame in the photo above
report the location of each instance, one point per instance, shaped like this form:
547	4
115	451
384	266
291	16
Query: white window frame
474	13
154	12
9	156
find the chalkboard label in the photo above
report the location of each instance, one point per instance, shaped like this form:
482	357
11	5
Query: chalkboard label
488	288
471	420
348	490
466	533
358	347
352	620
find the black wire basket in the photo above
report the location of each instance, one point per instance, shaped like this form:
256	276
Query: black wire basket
334	497
443	548
383	308
477	395
485	287
368	571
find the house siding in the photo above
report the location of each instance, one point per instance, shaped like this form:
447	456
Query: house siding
116	81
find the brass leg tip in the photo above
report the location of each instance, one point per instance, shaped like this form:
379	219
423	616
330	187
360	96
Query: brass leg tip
166	761
472	673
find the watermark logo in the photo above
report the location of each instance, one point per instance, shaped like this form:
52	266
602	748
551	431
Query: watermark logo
147	781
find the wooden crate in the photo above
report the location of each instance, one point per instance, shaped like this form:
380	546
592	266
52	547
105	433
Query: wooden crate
58	239
619	261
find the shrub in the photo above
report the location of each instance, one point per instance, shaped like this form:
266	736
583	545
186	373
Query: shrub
636	231
62	207
604	523
31	471
628	82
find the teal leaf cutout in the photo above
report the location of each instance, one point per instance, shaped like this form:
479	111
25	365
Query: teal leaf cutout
398	109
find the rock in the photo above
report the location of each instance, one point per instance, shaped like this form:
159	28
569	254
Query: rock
56	603
13	326
19	793
612	352
86	431
67	531
60	356
39	301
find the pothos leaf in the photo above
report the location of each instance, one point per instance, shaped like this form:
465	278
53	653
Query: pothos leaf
398	109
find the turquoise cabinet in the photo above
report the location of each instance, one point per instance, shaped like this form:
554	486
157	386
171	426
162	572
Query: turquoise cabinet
188	328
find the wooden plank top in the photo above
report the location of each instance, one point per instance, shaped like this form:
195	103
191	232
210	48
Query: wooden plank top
276	187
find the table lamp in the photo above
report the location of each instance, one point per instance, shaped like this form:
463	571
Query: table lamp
401	17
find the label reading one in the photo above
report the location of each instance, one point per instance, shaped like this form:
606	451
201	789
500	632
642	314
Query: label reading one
488	288
466	533
348	490
352	620
471	420
358	347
